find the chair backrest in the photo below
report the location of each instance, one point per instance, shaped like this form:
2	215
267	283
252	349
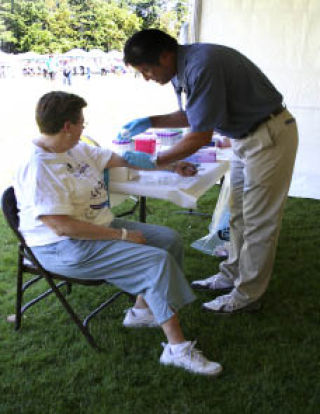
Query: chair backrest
10	210
11	214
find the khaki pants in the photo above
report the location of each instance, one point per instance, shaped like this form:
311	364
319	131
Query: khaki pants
261	171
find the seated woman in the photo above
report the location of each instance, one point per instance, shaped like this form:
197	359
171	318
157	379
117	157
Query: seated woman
65	219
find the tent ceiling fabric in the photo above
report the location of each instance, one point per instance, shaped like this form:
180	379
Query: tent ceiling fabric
283	38
195	20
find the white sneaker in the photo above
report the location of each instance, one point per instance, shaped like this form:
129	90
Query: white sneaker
133	320
215	282
227	304
190	359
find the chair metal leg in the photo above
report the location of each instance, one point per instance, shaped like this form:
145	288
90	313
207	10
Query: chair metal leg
102	306
29	282
40	297
72	314
19	291
69	288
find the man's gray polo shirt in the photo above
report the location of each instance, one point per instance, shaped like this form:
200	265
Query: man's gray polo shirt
224	90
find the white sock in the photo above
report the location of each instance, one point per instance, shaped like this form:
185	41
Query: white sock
141	311
176	348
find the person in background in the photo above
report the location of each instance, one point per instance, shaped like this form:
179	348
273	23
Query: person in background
51	64
65	219
66	73
88	70
225	92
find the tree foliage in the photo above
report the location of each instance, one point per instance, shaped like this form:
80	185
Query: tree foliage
47	26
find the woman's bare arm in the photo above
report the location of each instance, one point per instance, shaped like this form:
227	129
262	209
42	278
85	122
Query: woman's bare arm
64	225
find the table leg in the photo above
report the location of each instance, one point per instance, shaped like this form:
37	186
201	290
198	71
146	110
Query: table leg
142	209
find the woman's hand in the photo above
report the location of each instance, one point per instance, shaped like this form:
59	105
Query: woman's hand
186	169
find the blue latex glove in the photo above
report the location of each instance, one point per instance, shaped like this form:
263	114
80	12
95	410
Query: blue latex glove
136	126
139	159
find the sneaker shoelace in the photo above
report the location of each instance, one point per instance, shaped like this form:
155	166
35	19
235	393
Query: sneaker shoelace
131	310
195	354
216	281
227	302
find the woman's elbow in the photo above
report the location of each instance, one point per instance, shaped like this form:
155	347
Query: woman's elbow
59	227
60	231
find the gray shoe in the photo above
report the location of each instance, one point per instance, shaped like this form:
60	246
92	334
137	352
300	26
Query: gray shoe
228	305
215	282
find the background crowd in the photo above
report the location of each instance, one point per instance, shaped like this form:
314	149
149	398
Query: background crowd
72	63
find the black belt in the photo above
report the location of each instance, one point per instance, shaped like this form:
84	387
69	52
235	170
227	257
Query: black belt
255	126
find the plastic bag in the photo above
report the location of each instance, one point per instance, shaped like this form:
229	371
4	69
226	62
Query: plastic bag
216	243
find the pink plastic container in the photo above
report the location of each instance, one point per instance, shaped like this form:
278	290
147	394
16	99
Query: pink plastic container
147	145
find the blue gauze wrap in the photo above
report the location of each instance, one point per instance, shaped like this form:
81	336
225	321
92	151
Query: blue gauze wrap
139	159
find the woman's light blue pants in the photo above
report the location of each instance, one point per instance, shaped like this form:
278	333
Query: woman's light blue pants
153	270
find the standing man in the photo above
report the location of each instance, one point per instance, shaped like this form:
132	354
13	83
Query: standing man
225	92
51	64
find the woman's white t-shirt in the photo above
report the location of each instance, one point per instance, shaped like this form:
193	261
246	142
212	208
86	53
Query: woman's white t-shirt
69	183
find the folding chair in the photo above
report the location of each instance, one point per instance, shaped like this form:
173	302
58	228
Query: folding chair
27	263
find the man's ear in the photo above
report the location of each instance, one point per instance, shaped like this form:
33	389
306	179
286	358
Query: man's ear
166	58
66	126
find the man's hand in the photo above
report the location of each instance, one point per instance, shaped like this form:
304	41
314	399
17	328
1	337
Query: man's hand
136	126
186	169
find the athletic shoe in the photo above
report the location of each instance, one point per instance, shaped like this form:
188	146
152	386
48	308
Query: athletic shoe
227	304
133	320
215	282
191	359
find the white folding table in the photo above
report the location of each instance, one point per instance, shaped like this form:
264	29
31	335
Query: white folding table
182	191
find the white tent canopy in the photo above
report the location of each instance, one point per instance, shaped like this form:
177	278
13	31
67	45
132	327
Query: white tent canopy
115	54
29	56
75	53
5	57
96	53
283	39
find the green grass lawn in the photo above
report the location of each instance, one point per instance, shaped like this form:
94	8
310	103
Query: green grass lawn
271	358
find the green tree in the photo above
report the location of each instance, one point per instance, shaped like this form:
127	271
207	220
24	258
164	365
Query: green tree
105	25
7	39
59	25
148	10
27	16
160	14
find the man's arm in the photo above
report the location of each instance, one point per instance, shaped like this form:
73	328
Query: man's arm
183	168
174	120
189	144
64	225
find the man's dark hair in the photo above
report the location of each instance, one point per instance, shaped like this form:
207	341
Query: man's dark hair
55	108
146	46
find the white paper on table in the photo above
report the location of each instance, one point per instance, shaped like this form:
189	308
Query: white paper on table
183	191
